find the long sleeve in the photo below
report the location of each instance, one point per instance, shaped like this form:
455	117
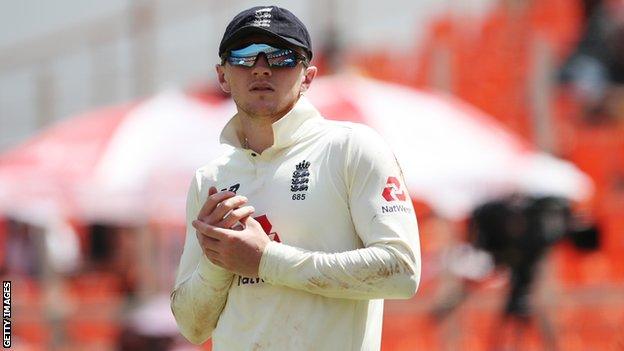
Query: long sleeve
388	266
201	287
376	272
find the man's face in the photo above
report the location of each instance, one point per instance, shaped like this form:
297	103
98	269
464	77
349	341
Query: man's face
261	91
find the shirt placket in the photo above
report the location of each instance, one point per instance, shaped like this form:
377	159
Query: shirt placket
260	163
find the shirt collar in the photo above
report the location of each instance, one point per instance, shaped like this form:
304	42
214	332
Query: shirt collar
286	130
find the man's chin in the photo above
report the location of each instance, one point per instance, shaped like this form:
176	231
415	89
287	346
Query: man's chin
266	107
262	110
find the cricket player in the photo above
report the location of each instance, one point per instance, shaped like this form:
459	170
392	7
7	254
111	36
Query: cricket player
296	236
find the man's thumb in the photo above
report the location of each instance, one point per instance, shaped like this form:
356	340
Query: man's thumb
212	191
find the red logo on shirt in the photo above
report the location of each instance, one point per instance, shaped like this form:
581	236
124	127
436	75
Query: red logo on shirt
392	191
267	226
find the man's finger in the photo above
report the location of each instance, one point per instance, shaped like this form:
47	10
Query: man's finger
235	216
249	221
212	201
211	249
210	231
208	245
223	208
207	242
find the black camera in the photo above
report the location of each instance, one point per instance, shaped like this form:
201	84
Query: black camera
518	230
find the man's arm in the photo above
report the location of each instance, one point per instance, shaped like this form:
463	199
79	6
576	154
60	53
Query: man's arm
198	301
201	287
381	271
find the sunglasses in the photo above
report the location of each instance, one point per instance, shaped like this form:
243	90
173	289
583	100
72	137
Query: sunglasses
276	57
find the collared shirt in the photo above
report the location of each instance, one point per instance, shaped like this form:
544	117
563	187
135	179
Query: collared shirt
331	197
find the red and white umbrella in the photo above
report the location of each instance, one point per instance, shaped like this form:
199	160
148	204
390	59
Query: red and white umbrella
151	158
120	163
38	175
453	156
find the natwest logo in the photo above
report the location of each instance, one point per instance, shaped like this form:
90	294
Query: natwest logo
267	226
392	191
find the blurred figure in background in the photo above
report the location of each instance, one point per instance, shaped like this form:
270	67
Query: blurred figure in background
516	233
595	71
593	81
21	255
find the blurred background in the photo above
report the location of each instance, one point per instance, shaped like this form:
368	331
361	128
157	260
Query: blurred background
506	115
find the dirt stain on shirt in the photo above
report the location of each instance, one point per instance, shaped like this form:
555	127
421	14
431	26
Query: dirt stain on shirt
382	272
316	282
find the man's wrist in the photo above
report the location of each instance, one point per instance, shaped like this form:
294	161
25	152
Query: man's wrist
209	271
271	254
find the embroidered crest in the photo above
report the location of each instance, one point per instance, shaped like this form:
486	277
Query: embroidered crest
262	17
300	177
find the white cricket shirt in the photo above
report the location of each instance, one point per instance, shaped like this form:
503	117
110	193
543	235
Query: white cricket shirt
332	198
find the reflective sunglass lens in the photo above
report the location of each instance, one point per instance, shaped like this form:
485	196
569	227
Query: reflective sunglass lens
242	61
282	58
276	57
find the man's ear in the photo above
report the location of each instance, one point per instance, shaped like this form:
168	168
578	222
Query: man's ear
223	83
308	77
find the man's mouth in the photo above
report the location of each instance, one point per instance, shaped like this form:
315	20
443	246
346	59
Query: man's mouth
261	87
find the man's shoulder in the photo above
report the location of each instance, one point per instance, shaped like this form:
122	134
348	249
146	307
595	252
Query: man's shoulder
211	169
345	130
351	132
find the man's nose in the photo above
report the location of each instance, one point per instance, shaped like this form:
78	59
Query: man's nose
261	67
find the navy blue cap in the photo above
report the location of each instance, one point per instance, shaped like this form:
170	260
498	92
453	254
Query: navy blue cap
273	21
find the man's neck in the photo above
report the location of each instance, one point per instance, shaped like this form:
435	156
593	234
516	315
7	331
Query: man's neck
258	130
257	133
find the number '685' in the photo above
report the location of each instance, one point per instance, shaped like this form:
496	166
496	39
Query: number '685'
298	196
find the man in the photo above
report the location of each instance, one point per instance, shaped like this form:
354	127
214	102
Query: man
312	226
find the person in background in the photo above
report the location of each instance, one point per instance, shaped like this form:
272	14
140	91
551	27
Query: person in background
595	71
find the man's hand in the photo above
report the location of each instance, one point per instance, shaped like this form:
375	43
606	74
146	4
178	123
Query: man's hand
224	209
238	251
